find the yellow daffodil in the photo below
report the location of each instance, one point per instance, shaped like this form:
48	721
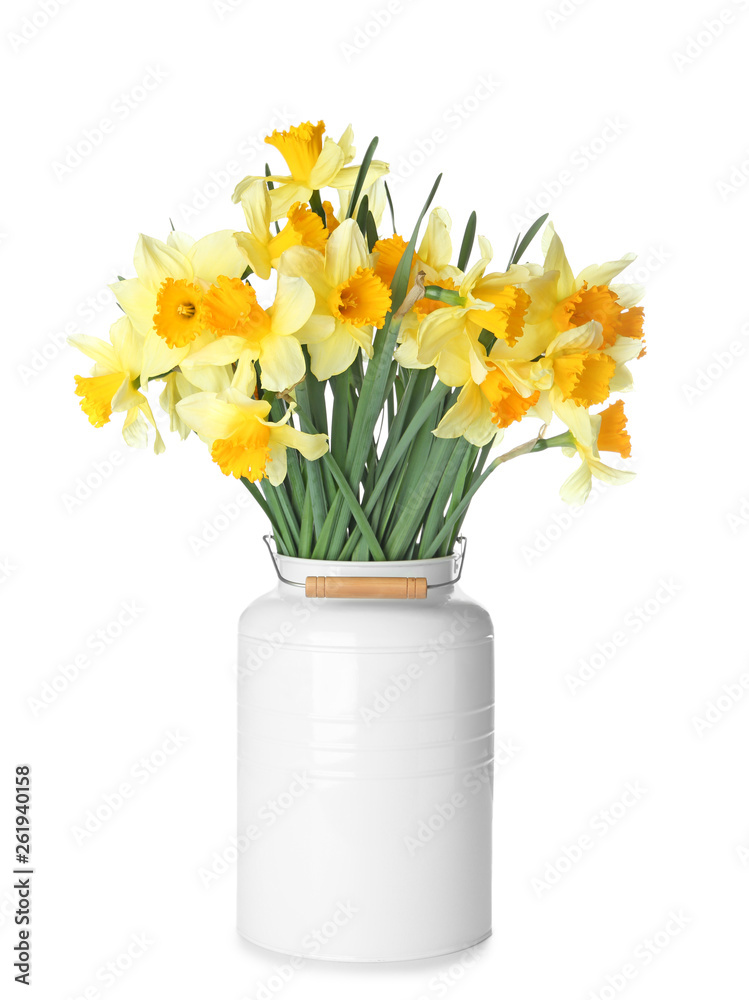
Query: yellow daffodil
433	259
243	442
575	367
165	300
262	249
591	434
113	386
482	411
448	336
247	333
313	164
562	301
349	299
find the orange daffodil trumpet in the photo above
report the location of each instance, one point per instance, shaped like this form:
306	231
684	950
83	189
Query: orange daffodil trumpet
429	358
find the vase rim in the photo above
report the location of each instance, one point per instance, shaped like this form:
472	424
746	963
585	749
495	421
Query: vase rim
438	569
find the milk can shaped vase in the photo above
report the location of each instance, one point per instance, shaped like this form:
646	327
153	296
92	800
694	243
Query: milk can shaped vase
365	762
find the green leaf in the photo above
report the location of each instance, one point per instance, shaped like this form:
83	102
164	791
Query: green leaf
467	245
425	468
459	487
361	177
339	430
315	203
307	528
390	203
372	234
361	215
447	485
402	441
348	496
526	240
487	340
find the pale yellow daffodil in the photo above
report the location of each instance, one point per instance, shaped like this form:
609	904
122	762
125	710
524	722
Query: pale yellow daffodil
350	300
313	164
561	301
448	337
243	442
247	333
483	410
164	301
113	386
593	433
433	259
261	248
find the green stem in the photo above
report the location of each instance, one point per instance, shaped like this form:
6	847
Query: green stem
348	495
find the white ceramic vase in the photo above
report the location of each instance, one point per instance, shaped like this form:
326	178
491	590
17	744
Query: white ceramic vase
365	767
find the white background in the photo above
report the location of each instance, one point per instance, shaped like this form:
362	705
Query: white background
511	97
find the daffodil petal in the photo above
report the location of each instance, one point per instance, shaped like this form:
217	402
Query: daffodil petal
223	351
555	259
282	362
180	241
292	306
603	274
97	349
156	261
307	263
345	252
628	295
256	252
334	354
311	446
255	203
329	162
436	246
576	488
135	429
454	368
275	468
578	338
211	378
283	196
346	177
245	375
217	254
317	328
159	357
438	329
608	475
578	419
209	416
128	345
138	301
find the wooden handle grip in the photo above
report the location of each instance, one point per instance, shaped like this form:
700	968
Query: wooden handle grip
371	587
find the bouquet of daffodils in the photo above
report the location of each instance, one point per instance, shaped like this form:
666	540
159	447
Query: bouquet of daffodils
356	383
